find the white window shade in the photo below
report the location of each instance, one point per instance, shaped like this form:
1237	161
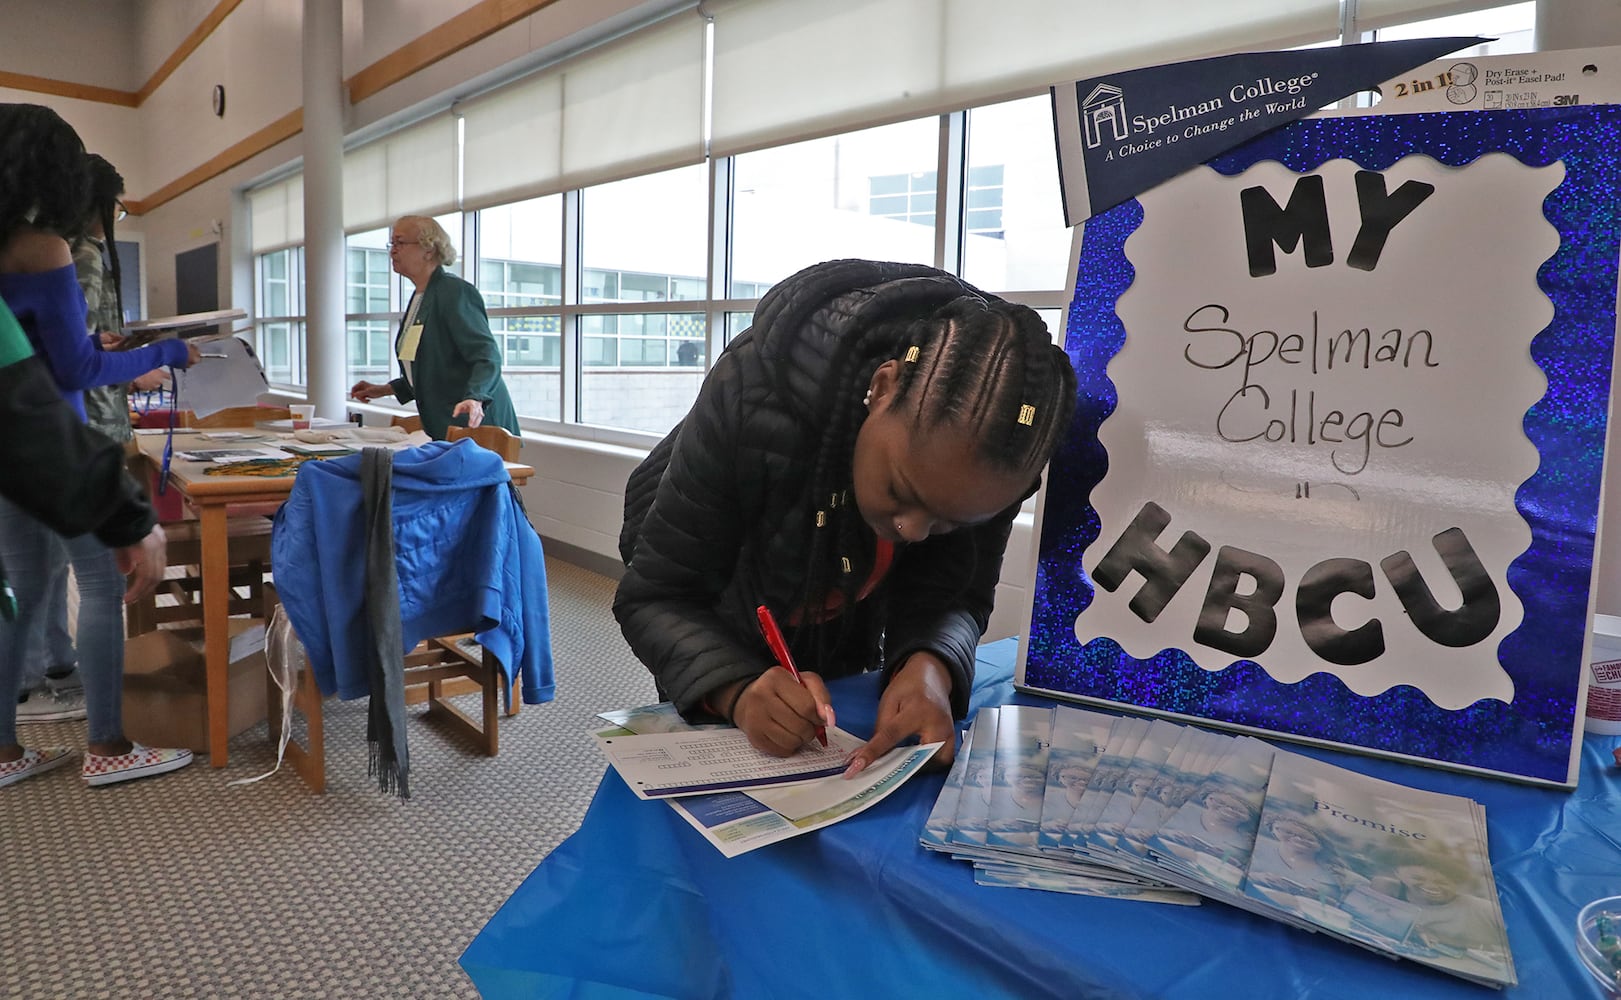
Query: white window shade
410	172
277	214
632	106
512	141
785	69
1371	14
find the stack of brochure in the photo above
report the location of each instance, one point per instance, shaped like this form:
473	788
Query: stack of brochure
1069	800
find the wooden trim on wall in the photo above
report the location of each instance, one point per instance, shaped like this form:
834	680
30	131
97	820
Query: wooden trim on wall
126	98
198	35
63	88
476	22
280	130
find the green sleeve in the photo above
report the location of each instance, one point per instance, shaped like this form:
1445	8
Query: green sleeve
470	329
14	345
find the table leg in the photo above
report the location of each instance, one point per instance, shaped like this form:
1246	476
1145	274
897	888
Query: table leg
216	627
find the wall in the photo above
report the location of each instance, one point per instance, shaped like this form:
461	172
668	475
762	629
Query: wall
91	42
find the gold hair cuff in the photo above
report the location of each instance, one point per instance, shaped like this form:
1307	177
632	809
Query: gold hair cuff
821	519
1027	414
911	354
845	562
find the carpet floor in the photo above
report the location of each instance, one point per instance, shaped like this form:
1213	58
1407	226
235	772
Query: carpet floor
180	886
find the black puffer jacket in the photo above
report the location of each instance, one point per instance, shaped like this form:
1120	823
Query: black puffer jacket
67	475
717	516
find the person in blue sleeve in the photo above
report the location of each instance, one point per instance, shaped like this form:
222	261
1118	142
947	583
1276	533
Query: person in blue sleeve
44	198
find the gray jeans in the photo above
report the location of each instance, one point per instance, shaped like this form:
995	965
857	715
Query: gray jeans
25	548
49	643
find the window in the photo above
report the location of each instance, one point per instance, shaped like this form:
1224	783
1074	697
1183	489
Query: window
369	324
278	327
862	194
366	290
644	245
520	275
1512	28
1013	214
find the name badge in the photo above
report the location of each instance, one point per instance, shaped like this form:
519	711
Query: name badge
408	343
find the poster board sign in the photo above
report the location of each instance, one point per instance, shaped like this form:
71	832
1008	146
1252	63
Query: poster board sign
1336	467
1559	79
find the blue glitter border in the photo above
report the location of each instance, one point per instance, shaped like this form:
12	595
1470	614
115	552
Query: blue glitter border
1530	737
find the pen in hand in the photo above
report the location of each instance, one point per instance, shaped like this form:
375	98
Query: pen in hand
779	649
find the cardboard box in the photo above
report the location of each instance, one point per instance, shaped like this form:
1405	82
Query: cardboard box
165	695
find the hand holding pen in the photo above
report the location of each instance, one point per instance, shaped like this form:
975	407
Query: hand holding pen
774	639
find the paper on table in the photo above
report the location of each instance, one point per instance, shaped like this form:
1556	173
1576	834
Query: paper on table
265	453
659	765
739	822
799	802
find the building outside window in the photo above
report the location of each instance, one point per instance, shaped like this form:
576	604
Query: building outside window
644	247
903	197
520	275
368	277
279	326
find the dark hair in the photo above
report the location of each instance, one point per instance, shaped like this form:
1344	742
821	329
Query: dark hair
44	179
979	364
106	187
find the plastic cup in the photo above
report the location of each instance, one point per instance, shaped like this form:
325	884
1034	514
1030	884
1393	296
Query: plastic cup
1597	944
303	413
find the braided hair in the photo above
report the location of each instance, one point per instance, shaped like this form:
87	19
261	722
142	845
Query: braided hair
982	365
106	187
44	181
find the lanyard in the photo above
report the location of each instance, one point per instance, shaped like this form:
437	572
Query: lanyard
168	445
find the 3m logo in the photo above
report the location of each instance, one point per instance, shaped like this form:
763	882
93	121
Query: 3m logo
1566	100
1104	110
1607	672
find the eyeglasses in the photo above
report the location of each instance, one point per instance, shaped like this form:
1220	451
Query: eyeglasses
120	213
391	244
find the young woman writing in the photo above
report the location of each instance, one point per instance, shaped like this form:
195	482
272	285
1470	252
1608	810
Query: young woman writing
854	462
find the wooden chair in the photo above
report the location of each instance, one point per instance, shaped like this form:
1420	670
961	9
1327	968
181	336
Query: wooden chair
250	562
248	530
435	670
497	439
409	421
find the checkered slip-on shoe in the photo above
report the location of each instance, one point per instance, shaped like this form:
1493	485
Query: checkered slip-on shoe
140	762
32	762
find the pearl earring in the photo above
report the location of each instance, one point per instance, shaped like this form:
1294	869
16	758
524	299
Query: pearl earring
867	399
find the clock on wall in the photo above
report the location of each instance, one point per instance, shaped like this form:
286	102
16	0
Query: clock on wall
219	100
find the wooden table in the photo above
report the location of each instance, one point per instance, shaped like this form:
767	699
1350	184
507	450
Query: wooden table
212	497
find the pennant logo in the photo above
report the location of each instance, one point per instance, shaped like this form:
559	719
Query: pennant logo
1120	135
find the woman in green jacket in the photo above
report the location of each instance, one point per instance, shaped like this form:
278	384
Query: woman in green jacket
449	361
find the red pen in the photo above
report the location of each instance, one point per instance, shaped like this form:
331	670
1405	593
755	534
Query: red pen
779	649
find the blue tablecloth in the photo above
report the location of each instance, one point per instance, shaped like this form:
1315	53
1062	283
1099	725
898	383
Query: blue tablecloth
636	904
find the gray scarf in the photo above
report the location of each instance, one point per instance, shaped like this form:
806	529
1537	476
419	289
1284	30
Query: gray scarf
387	757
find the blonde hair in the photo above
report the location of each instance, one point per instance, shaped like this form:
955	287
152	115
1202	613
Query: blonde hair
433	236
